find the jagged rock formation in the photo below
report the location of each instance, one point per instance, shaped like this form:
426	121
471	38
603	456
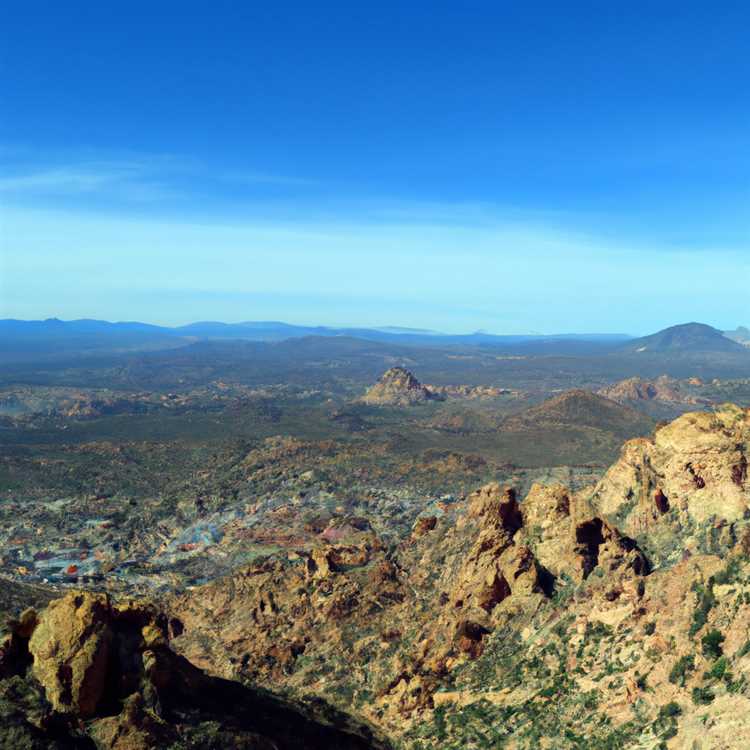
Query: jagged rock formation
451	586
398	387
571	539
693	470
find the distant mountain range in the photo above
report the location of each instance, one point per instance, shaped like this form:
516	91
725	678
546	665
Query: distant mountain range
28	339
53	335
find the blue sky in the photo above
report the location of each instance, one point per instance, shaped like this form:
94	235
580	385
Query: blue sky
512	167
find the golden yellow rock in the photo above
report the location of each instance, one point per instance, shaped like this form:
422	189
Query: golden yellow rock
71	651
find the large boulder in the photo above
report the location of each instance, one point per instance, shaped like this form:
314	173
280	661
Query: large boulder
87	651
71	649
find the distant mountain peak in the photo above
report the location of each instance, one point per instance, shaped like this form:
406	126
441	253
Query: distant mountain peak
687	337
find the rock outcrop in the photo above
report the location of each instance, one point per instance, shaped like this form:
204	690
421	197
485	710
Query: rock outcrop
398	387
73	648
637	389
495	566
693	470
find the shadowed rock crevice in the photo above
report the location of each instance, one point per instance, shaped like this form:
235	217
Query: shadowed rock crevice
589	538
739	471
661	501
493	594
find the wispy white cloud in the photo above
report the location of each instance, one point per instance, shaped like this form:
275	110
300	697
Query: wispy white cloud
129	181
129	177
54	180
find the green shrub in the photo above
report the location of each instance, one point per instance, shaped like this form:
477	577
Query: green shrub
706	602
681	668
702	696
669	732
719	669
711	644
729	574
669	709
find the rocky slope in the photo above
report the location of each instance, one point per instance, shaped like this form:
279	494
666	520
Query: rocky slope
581	410
611	617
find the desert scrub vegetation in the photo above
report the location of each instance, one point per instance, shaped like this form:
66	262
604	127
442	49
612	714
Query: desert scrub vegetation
706	601
711	644
702	696
683	666
665	724
719	669
527	726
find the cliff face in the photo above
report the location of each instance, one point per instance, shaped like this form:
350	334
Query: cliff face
615	616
